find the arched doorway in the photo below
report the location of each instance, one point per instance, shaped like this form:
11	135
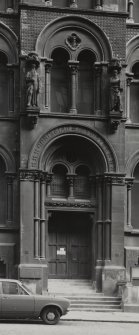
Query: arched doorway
71	204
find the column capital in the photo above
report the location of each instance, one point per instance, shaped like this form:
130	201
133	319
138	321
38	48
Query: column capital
48	64
129	182
73	65
129	78
115	178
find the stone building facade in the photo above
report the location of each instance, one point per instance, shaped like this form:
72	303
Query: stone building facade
69	141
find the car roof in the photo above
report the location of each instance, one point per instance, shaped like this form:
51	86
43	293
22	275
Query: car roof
10	280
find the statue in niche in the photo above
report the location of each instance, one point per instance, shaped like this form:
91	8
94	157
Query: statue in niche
115	88
32	80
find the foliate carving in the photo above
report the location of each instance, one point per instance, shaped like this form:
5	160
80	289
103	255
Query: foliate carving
70	204
73	41
30	175
129	183
72	129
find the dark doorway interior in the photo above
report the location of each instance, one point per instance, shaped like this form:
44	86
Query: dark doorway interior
70	250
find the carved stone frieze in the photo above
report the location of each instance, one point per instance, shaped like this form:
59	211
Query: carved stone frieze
71	204
115	179
66	129
28	175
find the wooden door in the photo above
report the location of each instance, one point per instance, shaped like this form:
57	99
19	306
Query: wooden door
70	246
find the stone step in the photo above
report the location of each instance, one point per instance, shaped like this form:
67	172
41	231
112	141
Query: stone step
97	309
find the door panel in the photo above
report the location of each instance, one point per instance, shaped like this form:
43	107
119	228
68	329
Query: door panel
70	246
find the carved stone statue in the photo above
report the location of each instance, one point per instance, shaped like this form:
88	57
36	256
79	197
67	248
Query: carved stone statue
115	90
32	81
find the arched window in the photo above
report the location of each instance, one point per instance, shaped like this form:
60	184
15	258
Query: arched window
59	81
82	184
3	193
4	94
134	91
85	98
135	197
59	183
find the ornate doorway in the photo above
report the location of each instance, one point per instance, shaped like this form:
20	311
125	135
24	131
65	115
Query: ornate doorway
70	245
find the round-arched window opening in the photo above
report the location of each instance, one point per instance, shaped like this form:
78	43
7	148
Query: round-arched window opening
135	70
59	182
134	199
85	96
60	81
82	188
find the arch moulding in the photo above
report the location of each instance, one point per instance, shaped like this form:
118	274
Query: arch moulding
131	164
40	146
8	159
78	24
8	43
132	52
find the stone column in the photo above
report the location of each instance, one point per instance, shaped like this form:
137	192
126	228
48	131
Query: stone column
128	85
99	220
48	66
107	222
129	183
70	179
114	269
48	184
98	71
73	65
130	10
73	4
42	216
10	178
36	218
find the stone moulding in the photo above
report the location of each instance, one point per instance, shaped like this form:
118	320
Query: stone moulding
39	148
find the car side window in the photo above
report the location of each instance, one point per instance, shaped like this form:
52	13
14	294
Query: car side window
10	288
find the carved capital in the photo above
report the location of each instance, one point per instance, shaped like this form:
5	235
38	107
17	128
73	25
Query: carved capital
48	65
129	182
29	175
73	67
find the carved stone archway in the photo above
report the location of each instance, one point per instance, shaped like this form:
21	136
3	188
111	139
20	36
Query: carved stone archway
81	27
37	153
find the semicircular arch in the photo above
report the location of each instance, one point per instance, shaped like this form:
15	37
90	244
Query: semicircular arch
8	43
131	164
86	29
132	52
38	150
8	159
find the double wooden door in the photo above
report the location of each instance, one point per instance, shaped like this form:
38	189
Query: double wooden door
70	246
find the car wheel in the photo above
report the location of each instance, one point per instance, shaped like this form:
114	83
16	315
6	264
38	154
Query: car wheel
50	315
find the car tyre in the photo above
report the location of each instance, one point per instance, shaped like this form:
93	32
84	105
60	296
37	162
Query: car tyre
50	315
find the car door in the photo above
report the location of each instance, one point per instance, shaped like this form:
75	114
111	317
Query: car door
0	300
16	302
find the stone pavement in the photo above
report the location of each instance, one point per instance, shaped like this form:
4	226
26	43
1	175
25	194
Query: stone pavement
121	317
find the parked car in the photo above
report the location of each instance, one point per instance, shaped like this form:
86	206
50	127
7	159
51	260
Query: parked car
18	302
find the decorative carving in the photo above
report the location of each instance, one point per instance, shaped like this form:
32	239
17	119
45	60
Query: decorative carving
73	4
32	80
32	87
115	179
48	3
30	175
70	204
73	41
115	108
72	129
